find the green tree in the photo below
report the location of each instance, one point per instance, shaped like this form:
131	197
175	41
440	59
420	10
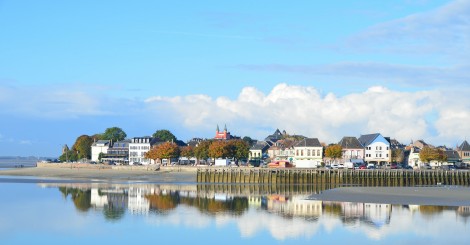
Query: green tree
334	151
114	134
248	140
398	155
83	146
239	149
164	135
201	151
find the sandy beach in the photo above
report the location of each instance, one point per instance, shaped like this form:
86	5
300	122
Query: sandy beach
417	195
164	175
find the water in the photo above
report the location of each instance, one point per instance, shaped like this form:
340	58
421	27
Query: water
15	162
127	213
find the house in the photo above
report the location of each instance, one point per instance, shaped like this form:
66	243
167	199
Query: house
377	149
308	153
138	146
259	150
353	150
413	157
282	150
99	147
464	152
118	152
453	157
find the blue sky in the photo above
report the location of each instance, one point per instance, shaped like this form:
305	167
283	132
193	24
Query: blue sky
322	69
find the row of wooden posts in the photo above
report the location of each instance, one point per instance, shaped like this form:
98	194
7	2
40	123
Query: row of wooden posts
343	177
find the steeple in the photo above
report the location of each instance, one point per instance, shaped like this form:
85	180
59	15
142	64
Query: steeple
225	128
217	130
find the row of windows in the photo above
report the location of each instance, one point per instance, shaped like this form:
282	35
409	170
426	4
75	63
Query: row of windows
136	154
309	153
139	147
376	155
466	154
378	148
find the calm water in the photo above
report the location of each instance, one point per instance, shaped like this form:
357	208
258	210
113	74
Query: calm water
84	213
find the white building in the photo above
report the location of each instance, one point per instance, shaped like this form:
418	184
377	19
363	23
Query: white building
308	153
377	149
137	149
98	147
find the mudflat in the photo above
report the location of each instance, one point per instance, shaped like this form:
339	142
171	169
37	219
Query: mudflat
416	195
174	175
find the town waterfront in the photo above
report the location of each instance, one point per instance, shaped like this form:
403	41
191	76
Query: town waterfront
58	211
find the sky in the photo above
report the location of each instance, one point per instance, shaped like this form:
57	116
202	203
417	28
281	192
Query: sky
322	69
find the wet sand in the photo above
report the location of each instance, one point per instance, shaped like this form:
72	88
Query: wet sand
424	195
164	175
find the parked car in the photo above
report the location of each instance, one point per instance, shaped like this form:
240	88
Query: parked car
334	166
452	167
363	166
328	167
371	166
407	167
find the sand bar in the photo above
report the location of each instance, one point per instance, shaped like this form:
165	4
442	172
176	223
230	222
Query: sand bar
424	195
164	175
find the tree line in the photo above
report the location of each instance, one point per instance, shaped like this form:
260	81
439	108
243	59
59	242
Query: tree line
171	148
237	149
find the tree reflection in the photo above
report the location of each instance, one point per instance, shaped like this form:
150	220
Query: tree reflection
163	202
113	213
81	198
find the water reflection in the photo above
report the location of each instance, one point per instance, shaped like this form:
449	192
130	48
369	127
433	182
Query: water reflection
257	209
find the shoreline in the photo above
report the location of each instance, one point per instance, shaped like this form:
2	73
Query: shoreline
415	195
164	175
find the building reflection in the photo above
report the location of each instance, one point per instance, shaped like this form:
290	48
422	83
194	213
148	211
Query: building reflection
117	200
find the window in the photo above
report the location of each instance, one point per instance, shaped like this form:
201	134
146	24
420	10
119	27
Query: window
302	152
387	155
308	152
318	153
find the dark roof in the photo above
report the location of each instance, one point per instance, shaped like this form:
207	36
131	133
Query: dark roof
464	146
309	142
452	154
121	144
260	145
350	143
367	139
277	135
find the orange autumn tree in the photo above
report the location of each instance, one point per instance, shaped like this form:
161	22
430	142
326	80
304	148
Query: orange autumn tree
165	150
219	149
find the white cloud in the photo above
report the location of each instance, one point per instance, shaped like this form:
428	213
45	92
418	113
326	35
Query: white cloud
303	110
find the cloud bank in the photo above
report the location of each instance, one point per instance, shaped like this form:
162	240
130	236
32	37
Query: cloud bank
435	115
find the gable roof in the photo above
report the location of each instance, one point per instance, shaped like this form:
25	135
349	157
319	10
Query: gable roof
367	139
260	145
464	146
309	142
350	143
451	154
